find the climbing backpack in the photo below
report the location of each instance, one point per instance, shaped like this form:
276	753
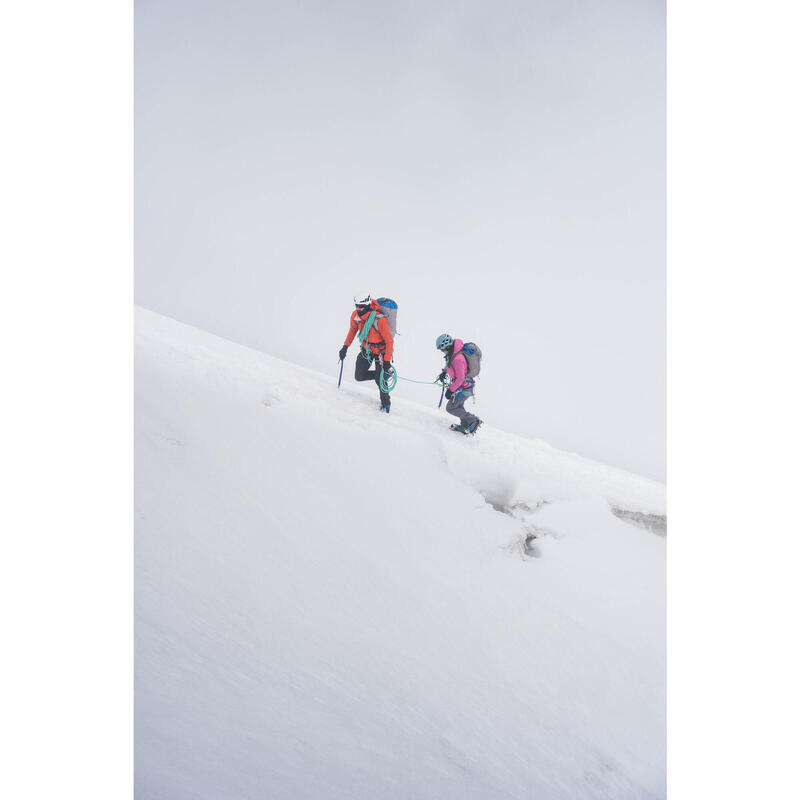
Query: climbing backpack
473	354
388	309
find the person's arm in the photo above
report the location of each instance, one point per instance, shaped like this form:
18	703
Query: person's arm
352	332
386	335
459	372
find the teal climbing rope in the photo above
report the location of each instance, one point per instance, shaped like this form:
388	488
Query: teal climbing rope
364	332
386	385
426	383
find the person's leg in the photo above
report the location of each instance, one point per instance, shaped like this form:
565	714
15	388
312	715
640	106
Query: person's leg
385	399
455	406
363	371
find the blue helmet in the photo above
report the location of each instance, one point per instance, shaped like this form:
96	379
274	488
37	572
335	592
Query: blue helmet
444	341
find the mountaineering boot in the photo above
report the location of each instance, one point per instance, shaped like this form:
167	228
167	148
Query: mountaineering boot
458	427
472	429
386	406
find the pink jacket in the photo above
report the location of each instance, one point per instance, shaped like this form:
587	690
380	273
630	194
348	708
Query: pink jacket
458	367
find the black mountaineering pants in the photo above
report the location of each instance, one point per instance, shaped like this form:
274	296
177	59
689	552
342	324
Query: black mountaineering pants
364	373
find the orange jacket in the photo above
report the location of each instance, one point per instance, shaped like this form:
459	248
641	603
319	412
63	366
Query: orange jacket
380	341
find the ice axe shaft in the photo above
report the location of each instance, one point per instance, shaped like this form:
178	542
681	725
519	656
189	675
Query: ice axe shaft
341	367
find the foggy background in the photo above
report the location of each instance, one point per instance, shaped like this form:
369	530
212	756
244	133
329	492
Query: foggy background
498	168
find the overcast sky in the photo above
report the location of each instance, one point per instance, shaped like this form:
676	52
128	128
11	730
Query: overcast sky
498	168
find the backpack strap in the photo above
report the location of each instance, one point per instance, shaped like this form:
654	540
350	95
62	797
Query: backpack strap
378	316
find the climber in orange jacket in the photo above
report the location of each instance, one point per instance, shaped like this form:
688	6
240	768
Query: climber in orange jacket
378	346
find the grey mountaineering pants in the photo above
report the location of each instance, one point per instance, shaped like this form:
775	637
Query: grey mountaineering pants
455	406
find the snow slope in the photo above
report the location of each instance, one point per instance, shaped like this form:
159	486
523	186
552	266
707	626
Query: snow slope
336	603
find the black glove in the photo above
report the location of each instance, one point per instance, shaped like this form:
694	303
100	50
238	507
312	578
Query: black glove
448	394
343	352
442	376
387	369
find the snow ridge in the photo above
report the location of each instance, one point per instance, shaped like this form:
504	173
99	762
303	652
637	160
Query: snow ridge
333	602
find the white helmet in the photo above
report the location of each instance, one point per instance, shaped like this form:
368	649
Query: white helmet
362	299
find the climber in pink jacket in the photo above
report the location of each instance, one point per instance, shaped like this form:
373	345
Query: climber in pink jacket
461	387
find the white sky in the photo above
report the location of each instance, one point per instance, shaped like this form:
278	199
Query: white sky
497	168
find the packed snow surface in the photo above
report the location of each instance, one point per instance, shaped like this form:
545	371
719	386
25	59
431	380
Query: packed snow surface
336	603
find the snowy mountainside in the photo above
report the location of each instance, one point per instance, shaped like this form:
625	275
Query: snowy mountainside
332	602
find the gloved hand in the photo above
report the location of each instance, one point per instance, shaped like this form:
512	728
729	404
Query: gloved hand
448	394
442	376
343	352
387	369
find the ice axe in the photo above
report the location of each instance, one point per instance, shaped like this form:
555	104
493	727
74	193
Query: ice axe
341	367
